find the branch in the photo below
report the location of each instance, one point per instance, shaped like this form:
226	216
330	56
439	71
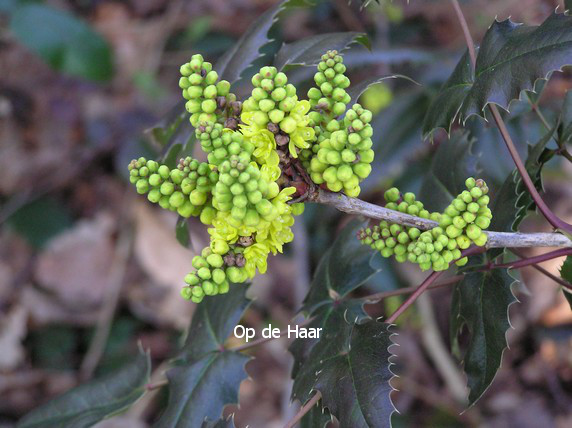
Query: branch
374	298
545	272
496	239
427	283
534	260
552	218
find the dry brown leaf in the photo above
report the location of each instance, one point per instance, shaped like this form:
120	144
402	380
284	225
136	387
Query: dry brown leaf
166	262
76	264
12	331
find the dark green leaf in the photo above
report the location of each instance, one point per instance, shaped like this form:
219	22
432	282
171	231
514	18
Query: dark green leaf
512	203
349	365
565	127
202	389
483	300
566	275
247	49
445	107
355	91
41	220
396	133
343	268
182	231
309	51
512	57
452	164
208	376
220	423
318	417
65	42
387	56
166	127
213	321
94	401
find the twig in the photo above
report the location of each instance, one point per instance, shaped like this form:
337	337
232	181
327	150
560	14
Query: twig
533	260
495	239
552	218
118	268
425	285
544	271
374	298
305	409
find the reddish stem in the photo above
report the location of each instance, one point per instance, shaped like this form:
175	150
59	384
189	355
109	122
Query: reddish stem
428	281
552	218
533	260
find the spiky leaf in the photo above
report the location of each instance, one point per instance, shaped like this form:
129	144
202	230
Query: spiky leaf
213	321
247	49
91	402
207	376
482	303
511	58
566	275
343	268
202	389
309	51
512	203
451	165
349	365
355	91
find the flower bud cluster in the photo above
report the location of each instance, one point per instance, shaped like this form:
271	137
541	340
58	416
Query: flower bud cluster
461	225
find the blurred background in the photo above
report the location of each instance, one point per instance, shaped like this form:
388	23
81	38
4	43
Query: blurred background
88	268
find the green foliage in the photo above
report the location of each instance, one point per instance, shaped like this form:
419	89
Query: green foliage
450	166
511	58
481	302
309	51
63	41
566	275
247	48
207	376
349	365
41	220
343	268
94	401
356	91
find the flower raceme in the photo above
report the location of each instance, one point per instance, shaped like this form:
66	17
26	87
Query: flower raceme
244	192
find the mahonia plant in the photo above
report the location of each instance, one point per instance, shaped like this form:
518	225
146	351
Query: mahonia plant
264	154
460	225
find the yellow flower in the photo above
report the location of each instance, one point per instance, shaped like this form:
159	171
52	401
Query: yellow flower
303	134
256	256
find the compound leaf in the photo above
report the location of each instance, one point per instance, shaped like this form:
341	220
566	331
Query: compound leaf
511	58
94	401
482	303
